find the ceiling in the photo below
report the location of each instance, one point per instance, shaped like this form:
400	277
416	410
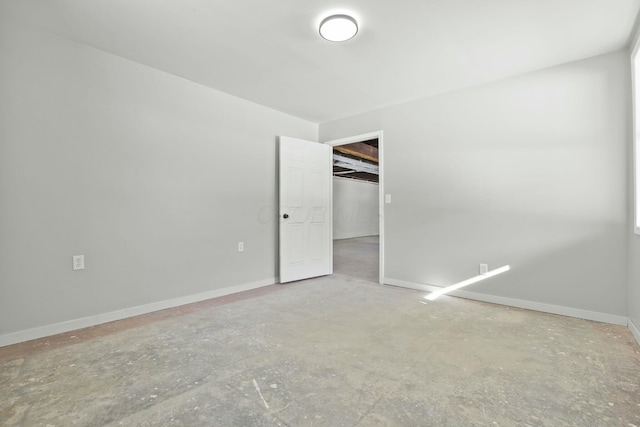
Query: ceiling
359	161
270	52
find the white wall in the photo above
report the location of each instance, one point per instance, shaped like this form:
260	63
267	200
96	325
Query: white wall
152	177
529	171
355	208
634	239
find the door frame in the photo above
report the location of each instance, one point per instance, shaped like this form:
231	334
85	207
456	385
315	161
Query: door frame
381	198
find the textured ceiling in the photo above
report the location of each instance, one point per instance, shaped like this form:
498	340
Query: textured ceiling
270	52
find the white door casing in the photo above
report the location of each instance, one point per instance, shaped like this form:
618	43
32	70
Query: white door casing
381	187
306	212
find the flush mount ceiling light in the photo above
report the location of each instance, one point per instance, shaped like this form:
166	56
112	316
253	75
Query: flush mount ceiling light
338	28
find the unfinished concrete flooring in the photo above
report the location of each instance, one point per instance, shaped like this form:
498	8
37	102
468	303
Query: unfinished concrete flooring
358	257
332	351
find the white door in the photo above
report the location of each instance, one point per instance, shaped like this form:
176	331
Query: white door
306	213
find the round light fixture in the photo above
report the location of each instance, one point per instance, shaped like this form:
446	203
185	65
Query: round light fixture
338	28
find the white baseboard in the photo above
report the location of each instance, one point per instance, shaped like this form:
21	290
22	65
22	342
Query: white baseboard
84	322
634	330
513	302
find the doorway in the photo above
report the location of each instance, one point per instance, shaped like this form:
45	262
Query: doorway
358	166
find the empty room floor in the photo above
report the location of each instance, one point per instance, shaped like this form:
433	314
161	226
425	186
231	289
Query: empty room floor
358	257
333	351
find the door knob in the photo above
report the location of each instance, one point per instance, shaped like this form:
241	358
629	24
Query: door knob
285	216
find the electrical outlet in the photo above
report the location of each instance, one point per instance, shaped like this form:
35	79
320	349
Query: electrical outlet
240	246
484	268
78	262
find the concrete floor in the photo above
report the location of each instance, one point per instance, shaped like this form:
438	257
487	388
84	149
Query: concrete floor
332	351
358	257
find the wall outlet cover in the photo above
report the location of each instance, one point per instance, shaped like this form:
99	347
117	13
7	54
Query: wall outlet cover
78	262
